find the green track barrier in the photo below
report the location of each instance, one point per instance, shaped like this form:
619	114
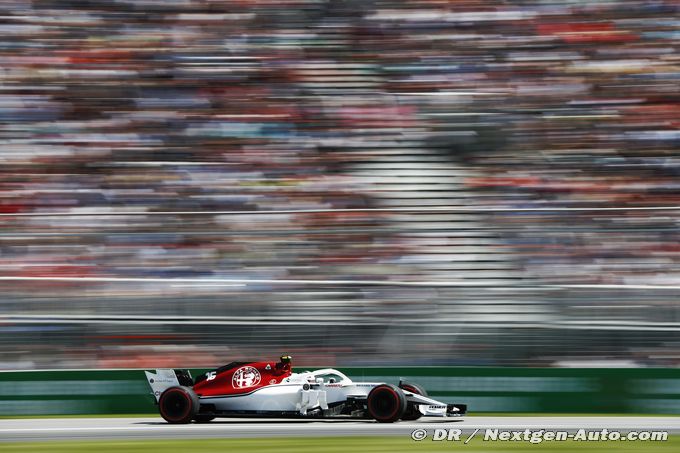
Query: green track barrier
516	390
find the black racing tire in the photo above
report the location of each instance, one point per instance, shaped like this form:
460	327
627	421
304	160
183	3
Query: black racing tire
204	418
178	405
412	412
386	403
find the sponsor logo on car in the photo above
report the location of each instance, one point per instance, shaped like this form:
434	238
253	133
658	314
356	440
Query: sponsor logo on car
246	376
165	380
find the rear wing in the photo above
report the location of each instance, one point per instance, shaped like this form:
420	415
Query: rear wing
161	380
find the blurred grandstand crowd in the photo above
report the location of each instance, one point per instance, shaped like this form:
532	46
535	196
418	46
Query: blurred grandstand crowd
349	111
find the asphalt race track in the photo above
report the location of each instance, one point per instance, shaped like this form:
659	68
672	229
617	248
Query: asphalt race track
156	428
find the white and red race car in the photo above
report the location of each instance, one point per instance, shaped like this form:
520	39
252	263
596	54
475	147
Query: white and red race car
271	389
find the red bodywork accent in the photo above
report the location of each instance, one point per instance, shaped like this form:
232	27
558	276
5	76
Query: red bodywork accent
225	383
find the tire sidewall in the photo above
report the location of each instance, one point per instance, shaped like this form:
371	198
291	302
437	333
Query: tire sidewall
398	400
190	404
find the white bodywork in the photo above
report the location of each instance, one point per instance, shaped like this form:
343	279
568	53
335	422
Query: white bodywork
161	380
298	393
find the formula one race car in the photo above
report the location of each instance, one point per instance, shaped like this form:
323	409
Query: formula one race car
269	389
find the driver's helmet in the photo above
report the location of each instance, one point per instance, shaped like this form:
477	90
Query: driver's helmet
284	364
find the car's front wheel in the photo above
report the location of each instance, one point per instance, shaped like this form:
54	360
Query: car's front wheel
178	405
412	412
386	403
204	418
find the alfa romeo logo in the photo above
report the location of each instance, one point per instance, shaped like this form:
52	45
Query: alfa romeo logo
246	376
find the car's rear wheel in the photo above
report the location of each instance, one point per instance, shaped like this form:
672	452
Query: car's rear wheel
412	412
178	405
386	403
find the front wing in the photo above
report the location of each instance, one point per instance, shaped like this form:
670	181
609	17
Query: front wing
433	408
